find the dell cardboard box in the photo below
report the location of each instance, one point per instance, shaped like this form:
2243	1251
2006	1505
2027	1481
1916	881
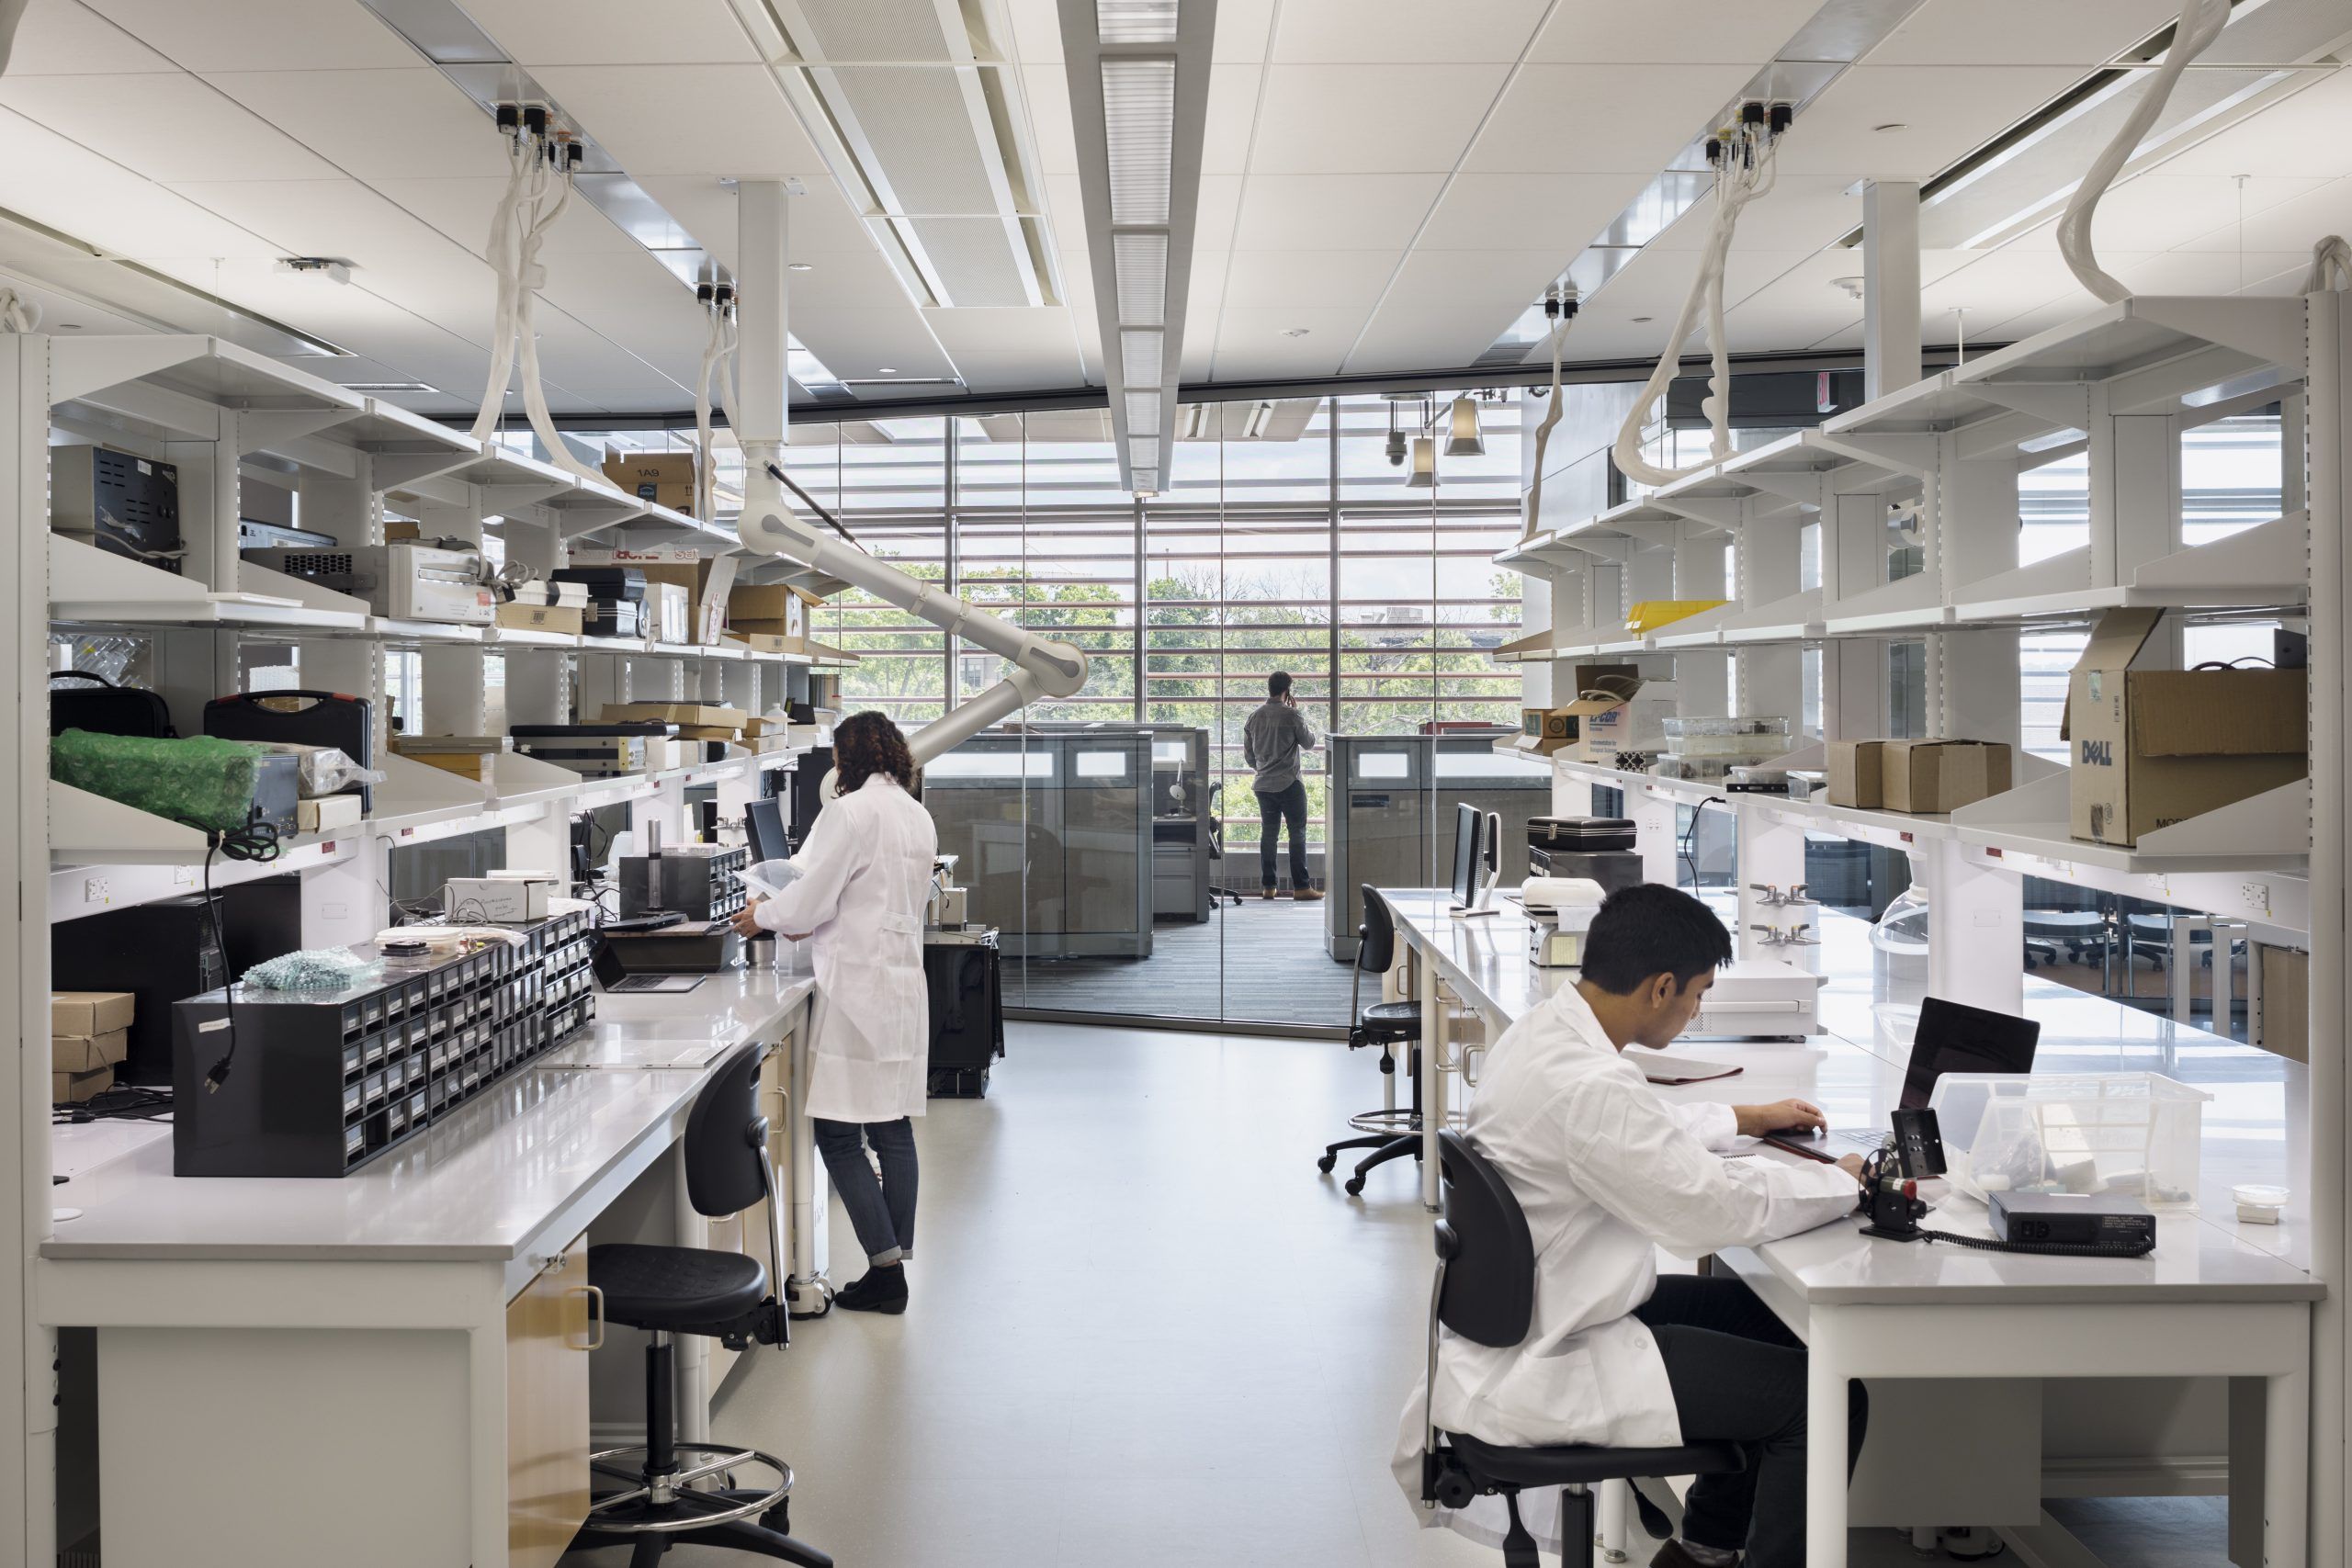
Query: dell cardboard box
2150	748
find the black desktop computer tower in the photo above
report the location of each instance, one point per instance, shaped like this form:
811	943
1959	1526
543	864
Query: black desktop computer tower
164	953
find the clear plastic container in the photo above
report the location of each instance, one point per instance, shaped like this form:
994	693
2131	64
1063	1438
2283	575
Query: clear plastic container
1701	769
1680	727
1758	739
2133	1134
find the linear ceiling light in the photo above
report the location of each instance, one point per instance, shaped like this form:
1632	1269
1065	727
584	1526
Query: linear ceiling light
1139	128
1143	410
1136	21
1141	263
1465	439
1143	451
1139	359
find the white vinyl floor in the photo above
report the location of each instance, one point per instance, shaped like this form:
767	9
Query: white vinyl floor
1145	1333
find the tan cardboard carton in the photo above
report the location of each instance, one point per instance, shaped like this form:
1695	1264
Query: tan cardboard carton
326	813
90	1012
665	479
705	716
1855	774
77	1088
88	1053
2150	748
1941	775
773	607
563	618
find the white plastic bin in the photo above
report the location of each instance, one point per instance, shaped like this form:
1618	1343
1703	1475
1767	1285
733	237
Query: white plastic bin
2138	1135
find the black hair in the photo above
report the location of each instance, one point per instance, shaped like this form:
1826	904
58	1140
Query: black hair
1649	929
1278	683
869	743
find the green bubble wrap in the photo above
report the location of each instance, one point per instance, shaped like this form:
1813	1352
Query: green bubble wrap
205	782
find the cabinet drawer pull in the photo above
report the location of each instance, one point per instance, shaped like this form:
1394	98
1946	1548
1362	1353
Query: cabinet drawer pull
596	1314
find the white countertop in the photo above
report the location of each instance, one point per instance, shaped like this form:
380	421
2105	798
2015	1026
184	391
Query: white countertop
2200	1254
477	1186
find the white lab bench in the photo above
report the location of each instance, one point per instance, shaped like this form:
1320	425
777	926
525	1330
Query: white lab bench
2208	1303
384	1369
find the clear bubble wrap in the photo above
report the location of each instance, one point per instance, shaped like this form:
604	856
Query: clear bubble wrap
1744	737
313	969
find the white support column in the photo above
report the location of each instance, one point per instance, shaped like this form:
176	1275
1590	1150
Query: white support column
1702	676
454	696
1890	286
1975	930
1656	838
762	314
1771	679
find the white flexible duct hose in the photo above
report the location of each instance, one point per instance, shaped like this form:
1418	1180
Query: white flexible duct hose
504	244
2330	256
2200	23
710	351
1543	432
17	315
529	276
1732	195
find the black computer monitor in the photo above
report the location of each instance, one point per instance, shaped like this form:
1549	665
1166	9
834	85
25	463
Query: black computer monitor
764	827
1469	838
1952	1038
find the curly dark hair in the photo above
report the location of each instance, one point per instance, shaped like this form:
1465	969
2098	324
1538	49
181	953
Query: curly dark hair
869	743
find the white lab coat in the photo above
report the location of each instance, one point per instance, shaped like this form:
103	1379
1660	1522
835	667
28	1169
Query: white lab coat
1607	1171
865	876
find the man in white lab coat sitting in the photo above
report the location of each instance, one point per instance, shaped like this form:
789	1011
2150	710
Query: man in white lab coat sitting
1608	1172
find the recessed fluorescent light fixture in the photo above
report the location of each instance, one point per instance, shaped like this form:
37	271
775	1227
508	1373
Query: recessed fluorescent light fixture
1140	262
1139	134
1143	451
1136	21
1139	359
1262	415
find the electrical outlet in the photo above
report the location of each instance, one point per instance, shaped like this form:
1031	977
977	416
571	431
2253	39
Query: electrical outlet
2256	895
96	890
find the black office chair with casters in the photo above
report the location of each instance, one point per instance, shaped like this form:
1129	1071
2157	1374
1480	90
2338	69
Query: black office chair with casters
670	1290
1394	1132
1485	1292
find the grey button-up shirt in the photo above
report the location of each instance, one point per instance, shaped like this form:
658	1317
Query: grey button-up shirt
1269	743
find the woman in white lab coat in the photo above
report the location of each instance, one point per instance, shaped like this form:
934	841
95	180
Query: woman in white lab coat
865	876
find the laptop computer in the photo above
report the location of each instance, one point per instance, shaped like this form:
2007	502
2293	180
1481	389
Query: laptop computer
613	976
1952	1038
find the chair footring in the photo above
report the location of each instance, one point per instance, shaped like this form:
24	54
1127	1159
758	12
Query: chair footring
668	1504
1394	1124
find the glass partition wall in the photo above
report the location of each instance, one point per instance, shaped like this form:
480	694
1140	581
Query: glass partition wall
1112	838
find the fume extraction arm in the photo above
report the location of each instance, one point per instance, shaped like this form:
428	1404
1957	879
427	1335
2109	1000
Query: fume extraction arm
1042	667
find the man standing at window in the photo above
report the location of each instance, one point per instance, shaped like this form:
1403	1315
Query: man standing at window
1269	743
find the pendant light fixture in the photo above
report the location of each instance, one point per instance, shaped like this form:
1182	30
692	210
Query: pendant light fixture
1424	474
1465	439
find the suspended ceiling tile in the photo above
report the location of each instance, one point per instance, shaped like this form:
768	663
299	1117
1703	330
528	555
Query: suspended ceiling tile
1029	370
2159	211
1231	116
2021	32
1555	212
262	35
1362	212
2211	272
1215	208
1244	29
1255	342
2002	285
1800	212
1602	117
859	342
1004	331
1670	31
1329	119
1405	31
461	211
2299	135
1349	279
847	281
54	181
687	119
615	32
337	218
1500	282
167	128
1944	112
65	38
2292	225
1045	90
818	223
1036	30
406	124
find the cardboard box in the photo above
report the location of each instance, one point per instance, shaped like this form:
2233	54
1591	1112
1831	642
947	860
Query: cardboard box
77	1089
763	641
665	479
706	732
2286	1001
562	619
326	813
90	1012
88	1053
705	716
2150	748
1941	775
672	608
1854	774
774	608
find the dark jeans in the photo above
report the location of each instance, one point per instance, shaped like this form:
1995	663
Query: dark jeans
1739	1377
1284	804
882	1213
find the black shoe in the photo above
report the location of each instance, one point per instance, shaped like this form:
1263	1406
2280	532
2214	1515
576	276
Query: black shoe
1670	1554
880	1290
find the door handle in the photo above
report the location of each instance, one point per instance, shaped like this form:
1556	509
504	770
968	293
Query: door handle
596	1315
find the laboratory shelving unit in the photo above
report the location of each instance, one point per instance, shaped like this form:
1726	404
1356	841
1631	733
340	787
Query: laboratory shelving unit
1915	500
231	419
